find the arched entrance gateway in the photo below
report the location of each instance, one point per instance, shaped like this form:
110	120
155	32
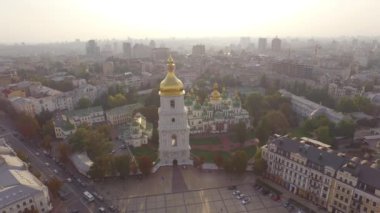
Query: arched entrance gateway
175	162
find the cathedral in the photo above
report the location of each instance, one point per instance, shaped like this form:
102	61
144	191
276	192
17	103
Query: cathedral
217	114
173	127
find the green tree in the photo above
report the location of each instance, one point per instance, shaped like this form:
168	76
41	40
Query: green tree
322	133
260	164
239	161
101	167
83	103
273	122
145	164
346	105
48	129
78	139
122	164
346	128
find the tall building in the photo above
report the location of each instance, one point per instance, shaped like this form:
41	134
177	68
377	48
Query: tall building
92	48
20	190
173	127
262	44
245	42
160	54
198	50
276	44
127	49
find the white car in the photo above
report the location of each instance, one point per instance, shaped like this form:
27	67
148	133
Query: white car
55	171
237	192
245	201
69	180
47	164
102	209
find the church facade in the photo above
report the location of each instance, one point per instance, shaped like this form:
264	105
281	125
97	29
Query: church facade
173	127
217	114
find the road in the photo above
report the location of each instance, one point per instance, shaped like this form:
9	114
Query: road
49	167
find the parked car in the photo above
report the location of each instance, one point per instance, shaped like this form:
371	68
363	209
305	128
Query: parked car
237	192
231	188
102	209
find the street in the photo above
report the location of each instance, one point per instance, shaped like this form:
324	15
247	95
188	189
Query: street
49	166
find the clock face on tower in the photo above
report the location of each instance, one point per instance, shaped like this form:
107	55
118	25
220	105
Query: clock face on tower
173	128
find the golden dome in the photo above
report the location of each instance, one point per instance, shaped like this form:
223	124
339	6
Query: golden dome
171	85
215	95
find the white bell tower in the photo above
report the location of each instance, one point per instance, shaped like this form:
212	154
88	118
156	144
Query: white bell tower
173	128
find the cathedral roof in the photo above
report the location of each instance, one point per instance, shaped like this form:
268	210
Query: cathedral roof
171	85
215	94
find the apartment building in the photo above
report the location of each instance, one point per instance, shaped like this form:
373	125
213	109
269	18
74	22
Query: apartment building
328	179
121	115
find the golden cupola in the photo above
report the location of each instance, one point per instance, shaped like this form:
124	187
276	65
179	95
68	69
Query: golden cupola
171	85
215	95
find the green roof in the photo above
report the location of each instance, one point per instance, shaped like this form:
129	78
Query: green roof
125	108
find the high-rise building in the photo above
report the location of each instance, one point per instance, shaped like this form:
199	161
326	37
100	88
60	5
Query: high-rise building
92	48
161	53
127	49
262	44
173	127
245	42
152	44
276	44
198	50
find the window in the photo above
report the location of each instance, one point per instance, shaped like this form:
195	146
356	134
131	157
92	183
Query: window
173	120
174	140
172	104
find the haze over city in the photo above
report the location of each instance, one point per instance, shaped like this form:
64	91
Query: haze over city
56	20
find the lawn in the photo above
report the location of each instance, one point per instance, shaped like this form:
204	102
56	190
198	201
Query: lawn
250	135
145	150
209	155
204	141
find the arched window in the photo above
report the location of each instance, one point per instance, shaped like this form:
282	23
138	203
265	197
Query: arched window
172	104
174	140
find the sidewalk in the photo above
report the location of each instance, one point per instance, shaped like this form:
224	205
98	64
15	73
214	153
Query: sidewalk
288	195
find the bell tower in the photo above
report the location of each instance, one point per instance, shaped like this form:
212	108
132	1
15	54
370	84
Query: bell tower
173	128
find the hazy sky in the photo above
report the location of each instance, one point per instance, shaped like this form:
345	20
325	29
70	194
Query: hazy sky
59	20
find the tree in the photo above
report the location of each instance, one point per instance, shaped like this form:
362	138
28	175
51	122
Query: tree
228	167
78	139
64	152
46	142
272	122
260	164
239	161
116	100
218	160
83	103
44	116
6	106
27	125
241	132
346	128
346	105
101	167
54	185
22	155
322	133
122	164
48	129
145	165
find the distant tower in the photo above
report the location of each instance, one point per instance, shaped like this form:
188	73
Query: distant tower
127	49
173	128
262	44
198	50
92	48
276	44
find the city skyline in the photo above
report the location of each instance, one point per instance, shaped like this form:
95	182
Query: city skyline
52	21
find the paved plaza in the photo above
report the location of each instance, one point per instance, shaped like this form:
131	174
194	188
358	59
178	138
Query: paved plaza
214	200
186	190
